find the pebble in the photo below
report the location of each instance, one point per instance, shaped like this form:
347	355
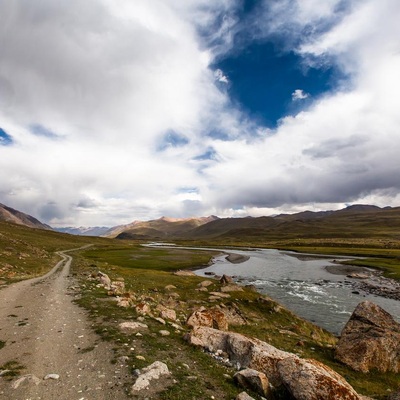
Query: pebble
164	333
51	376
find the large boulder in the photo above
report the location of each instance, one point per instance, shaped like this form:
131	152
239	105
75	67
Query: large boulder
213	318
293	377
312	380
243	352
370	340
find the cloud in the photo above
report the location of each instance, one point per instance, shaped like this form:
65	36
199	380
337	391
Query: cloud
138	111
220	77
299	94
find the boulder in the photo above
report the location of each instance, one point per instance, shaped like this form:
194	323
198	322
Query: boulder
212	318
226	279
152	372
370	340
243	352
254	380
104	280
312	380
124	302
117	287
143	309
287	373
167	313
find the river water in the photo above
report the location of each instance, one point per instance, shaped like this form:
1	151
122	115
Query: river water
302	284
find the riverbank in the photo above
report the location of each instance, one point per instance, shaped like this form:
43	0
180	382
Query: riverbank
368	280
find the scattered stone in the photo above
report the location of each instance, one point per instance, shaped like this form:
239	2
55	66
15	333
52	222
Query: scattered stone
184	273
24	380
202	289
170	287
168	314
160	320
310	379
143	309
370	340
394	396
220	295
251	379
210	273
205	284
231	288
117	287
244	396
152	372
51	376
124	302
226	279
104	280
132	326
212	318
140	358
164	333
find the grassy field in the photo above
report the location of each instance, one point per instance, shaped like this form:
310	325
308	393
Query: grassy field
147	271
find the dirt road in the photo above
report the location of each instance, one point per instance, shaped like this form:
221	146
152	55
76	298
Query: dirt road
47	333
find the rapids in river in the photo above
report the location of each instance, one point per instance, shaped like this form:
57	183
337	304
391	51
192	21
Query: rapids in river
302	283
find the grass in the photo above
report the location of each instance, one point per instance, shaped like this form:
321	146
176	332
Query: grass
10	370
147	271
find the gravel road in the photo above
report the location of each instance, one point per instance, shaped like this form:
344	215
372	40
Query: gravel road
47	333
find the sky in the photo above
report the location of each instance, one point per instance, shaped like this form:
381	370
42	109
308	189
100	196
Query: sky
112	112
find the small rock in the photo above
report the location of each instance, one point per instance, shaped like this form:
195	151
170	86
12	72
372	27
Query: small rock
164	333
170	287
244	396
131	325
253	380
51	376
184	273
148	374
140	358
143	309
205	284
226	279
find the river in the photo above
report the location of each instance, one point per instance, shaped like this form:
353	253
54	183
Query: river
302	284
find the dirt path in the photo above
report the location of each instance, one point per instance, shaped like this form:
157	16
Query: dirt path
47	333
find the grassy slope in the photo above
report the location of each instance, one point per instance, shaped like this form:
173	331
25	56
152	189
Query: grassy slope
147	271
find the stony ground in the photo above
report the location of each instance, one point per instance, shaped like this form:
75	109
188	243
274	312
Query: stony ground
45	335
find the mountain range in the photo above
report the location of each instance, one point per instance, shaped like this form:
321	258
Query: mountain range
356	221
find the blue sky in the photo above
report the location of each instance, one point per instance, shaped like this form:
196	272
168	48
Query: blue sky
113	113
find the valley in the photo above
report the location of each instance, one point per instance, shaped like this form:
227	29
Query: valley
72	304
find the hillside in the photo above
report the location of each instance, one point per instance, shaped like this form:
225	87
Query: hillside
84	231
353	222
159	228
8	214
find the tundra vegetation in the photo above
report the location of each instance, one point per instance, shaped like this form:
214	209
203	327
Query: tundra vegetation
147	272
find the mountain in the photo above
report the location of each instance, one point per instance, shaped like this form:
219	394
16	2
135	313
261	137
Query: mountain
84	231
8	214
356	221
159	228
